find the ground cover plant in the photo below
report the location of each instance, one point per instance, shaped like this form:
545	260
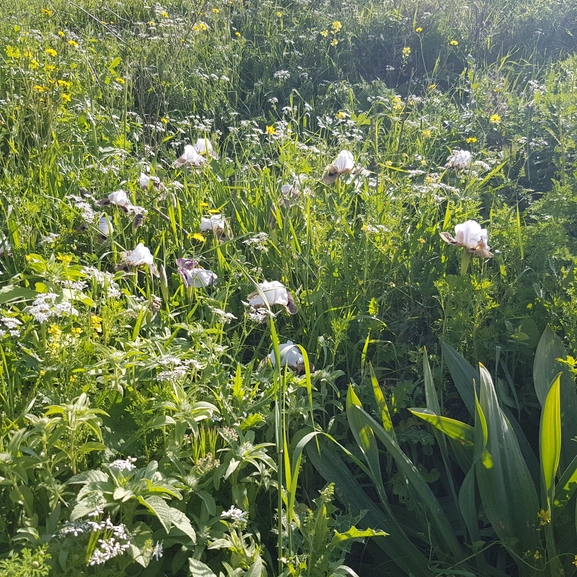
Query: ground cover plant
251	256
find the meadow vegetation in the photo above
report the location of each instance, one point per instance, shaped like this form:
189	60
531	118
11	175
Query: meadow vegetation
243	307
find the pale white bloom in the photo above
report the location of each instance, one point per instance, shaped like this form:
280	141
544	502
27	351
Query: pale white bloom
145	181
158	550
193	275
119	198
470	236
190	157
140	255
343	164
459	160
5	247
290	356
215	223
137	257
270	294
204	146
105	226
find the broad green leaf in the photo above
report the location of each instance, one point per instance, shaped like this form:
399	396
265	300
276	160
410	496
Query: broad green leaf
397	546
361	423
464	375
160	508
182	522
550	439
545	369
430	392
454	429
566	486
354	533
199	569
256	569
507	491
14	294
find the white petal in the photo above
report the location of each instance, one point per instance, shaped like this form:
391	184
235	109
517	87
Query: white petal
344	162
290	355
274	292
199	277
119	198
140	255
469	234
105	226
215	223
143	181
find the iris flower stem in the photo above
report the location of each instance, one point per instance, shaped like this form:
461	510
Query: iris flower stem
465	262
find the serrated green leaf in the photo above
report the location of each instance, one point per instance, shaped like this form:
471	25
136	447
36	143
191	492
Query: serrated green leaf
182	522
160	508
354	533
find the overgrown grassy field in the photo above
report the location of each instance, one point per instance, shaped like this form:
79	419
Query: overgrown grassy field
252	254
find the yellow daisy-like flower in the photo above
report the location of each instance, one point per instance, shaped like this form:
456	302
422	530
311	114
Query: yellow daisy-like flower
419	29
34	64
65	97
237	34
73	43
39	88
340	115
51	52
216	10
454	43
336	26
324	33
61	34
64	83
120	80
495	118
270	130
164	14
198	236
427	133
46	12
471	139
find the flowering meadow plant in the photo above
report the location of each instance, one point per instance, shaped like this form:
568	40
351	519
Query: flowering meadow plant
186	194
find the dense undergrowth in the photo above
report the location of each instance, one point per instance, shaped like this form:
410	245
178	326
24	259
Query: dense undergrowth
153	420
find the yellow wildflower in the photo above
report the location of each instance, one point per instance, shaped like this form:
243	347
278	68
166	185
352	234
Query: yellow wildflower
34	64
65	97
340	115
61	34
64	83
164	14
454	43
324	33
406	51
51	52
73	43
495	118
120	80
216	10
198	236
46	12
237	34
471	139
544	516
419	29
96	323
279	14
40	88
334	42
12	52
336	26
76	332
270	130
427	133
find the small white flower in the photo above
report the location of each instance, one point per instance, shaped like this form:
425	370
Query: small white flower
190	157
470	236
343	164
123	465
105	226
459	160
234	514
157	551
270	294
